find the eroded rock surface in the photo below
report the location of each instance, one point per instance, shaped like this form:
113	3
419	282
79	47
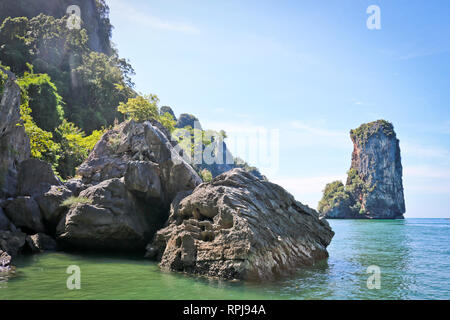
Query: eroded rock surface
134	174
240	227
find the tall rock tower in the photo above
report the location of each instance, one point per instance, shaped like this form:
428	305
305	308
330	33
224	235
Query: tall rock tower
374	187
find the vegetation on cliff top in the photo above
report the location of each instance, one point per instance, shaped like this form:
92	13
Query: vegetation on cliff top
366	130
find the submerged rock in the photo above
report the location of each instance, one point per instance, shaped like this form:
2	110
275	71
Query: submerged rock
240	227
374	187
41	242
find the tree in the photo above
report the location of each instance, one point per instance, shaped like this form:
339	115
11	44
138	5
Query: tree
75	147
206	175
141	108
168	122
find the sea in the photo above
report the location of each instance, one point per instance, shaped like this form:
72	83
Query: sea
368	259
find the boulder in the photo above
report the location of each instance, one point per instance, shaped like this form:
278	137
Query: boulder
14	143
41	242
112	218
186	119
142	154
36	177
24	213
75	186
240	227
50	203
4	221
12	242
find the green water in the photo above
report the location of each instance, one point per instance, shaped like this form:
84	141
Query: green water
413	256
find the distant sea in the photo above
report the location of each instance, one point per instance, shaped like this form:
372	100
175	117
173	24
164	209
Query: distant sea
412	255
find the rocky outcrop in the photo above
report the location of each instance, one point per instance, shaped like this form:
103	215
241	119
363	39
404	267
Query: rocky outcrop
50	204
12	242
165	109
374	187
14	143
36	177
113	219
134	173
240	227
186	119
24	213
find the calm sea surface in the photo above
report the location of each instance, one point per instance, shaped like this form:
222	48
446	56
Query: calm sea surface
413	256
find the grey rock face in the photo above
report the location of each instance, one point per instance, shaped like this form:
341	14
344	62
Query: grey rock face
12	242
240	227
186	119
129	151
4	221
14	143
134	174
24	213
374	188
114	219
50	203
36	177
378	162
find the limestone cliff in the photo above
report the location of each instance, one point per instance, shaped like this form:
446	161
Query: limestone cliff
374	187
14	143
94	15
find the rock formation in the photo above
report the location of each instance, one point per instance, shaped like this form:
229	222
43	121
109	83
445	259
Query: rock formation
93	15
374	187
165	109
131	177
240	227
186	119
14	143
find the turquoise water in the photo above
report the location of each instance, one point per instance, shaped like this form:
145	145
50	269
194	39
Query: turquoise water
413	256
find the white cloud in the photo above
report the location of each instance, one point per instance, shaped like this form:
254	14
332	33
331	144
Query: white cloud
427	171
417	150
127	12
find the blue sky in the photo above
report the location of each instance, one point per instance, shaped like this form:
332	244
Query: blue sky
307	72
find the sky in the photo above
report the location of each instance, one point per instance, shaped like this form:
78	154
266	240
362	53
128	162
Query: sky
297	76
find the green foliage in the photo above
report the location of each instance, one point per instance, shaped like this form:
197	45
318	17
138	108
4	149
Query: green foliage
141	108
100	86
92	84
333	195
43	99
73	201
168	122
75	147
206	175
3	79
41	142
351	195
366	130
